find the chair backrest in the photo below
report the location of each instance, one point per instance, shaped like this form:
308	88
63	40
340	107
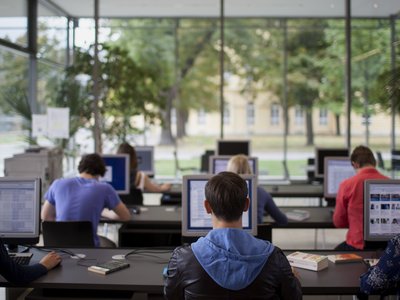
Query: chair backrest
68	234
135	197
379	158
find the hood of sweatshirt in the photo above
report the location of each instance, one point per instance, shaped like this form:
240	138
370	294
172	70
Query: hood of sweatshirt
232	257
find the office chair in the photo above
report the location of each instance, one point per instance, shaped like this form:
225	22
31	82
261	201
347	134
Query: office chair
205	160
179	169
135	197
379	158
67	234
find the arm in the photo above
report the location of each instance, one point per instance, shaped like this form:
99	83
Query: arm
149	186
18	273
171	283
340	218
119	212
386	274
268	204
48	212
290	287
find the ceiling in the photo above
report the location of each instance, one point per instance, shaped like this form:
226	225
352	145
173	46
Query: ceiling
233	8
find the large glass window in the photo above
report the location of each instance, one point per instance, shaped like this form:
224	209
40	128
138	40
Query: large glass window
14	21
275	114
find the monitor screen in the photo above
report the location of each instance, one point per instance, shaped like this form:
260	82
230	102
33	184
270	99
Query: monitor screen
381	209
117	172
219	163
196	221
233	147
20	200
321	153
145	159
337	169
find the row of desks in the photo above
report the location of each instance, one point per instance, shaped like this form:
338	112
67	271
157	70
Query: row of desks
145	275
157	222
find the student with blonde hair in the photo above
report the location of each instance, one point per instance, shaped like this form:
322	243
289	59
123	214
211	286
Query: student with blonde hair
239	164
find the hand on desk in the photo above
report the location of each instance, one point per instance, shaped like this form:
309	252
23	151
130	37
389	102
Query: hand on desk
51	260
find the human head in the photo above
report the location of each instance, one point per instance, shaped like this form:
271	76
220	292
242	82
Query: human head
92	164
227	193
362	156
128	149
239	164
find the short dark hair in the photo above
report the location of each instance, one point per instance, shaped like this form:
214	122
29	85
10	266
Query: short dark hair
363	156
227	192
128	149
92	164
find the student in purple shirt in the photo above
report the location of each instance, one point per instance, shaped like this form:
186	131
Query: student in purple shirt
240	165
84	198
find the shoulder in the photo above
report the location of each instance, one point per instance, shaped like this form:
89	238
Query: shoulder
183	251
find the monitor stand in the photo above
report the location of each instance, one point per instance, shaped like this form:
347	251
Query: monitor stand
14	248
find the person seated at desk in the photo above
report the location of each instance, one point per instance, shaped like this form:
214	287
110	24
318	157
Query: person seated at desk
84	198
22	274
229	262
349	209
139	181
239	164
384	277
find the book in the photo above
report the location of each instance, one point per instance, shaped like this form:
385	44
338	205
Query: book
344	258
298	215
314	262
109	267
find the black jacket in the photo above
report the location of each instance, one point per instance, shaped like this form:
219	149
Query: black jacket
187	280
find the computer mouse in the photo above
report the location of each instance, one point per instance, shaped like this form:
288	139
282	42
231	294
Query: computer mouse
135	210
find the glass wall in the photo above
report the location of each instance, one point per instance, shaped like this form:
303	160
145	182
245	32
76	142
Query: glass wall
14	21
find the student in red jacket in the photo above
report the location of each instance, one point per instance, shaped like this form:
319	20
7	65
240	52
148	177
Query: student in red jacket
350	198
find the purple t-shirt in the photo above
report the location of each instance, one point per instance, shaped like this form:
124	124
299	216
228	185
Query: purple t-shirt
81	199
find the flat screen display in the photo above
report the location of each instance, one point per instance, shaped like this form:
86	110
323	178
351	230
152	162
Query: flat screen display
219	163
20	210
117	172
145	159
321	153
196	221
233	147
337	169
381	209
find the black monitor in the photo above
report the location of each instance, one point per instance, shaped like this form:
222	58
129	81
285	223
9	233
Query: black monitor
233	147
321	153
337	169
145	159
20	200
117	172
219	163
196	221
381	209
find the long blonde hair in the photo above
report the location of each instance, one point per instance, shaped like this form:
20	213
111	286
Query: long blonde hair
239	164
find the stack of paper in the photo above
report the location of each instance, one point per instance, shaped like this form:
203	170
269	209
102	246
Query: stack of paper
308	261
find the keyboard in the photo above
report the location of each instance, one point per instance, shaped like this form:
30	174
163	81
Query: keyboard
21	258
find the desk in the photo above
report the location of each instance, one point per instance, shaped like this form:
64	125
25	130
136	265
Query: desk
164	223
320	218
145	275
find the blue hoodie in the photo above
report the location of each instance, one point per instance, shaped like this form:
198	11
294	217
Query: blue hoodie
232	257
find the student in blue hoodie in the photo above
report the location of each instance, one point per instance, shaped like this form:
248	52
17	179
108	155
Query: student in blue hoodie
229	263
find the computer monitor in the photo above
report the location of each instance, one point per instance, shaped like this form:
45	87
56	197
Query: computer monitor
219	163
381	209
145	159
337	169
20	200
118	172
321	153
233	147
196	221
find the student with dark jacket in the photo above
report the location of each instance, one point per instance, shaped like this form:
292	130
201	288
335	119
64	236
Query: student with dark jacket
21	274
229	263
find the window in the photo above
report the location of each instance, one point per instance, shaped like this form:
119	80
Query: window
323	116
250	113
201	117
299	115
227	113
275	114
